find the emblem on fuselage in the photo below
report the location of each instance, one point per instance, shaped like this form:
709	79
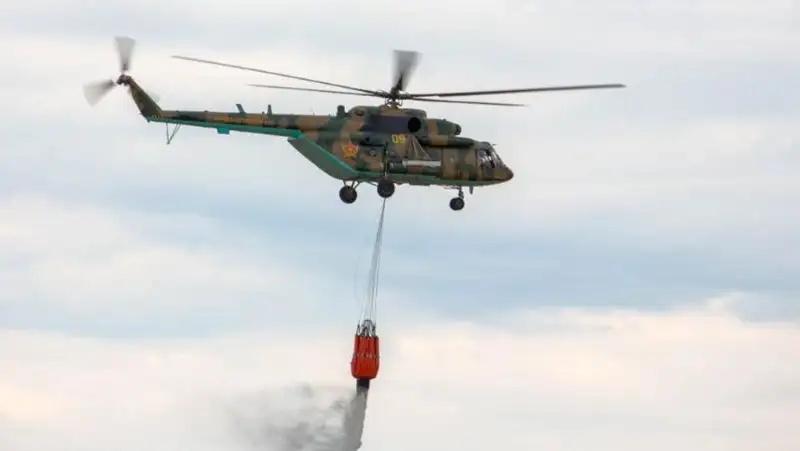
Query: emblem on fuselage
350	150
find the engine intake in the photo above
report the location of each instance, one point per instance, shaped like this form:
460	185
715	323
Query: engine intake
444	127
414	124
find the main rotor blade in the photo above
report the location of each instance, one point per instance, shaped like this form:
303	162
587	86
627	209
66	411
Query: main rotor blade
405	61
328	91
94	92
279	74
465	102
512	91
125	47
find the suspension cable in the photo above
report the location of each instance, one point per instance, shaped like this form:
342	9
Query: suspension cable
370	310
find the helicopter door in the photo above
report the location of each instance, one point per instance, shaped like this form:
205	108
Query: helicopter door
450	166
371	155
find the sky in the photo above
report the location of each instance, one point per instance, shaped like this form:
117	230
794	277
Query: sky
635	286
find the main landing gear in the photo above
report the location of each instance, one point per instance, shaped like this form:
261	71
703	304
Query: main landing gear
457	203
385	189
348	193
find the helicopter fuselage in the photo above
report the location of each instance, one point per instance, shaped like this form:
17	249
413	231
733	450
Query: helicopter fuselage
356	146
343	150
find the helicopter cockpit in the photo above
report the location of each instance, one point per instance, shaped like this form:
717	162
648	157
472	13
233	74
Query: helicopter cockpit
491	165
488	157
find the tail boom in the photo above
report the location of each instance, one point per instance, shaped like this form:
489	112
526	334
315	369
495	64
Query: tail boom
290	125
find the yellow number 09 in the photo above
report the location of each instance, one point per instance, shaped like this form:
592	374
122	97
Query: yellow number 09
399	139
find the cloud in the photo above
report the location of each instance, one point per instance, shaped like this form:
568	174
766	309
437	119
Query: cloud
713	29
694	376
73	265
151	291
632	152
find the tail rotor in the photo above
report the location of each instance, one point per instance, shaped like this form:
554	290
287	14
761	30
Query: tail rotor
95	92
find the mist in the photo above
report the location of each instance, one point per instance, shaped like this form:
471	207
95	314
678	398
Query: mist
305	418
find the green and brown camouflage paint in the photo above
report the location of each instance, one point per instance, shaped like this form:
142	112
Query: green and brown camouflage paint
364	143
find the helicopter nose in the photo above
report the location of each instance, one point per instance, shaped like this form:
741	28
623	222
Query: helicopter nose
502	174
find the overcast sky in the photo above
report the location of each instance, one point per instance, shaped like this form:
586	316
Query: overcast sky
636	286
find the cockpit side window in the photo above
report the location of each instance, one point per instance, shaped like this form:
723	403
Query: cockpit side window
495	157
487	156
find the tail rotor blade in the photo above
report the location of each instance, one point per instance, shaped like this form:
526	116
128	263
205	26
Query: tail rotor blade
94	92
125	47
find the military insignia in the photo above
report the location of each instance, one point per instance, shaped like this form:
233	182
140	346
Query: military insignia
350	150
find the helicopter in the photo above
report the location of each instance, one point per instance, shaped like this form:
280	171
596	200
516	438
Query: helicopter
382	145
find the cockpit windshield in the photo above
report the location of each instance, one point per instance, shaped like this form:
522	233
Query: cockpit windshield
495	157
487	157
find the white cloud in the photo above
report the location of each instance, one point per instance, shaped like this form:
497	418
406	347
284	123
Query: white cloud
619	161
673	159
103	227
624	27
615	163
696	378
88	260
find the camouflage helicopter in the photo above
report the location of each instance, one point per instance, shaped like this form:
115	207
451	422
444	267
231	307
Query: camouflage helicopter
384	145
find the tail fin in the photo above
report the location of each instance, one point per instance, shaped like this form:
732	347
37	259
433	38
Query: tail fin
146	105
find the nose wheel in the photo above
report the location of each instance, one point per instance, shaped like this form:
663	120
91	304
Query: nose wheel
457	203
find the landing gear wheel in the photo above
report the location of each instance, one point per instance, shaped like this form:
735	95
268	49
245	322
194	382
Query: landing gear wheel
348	194
385	189
456	203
